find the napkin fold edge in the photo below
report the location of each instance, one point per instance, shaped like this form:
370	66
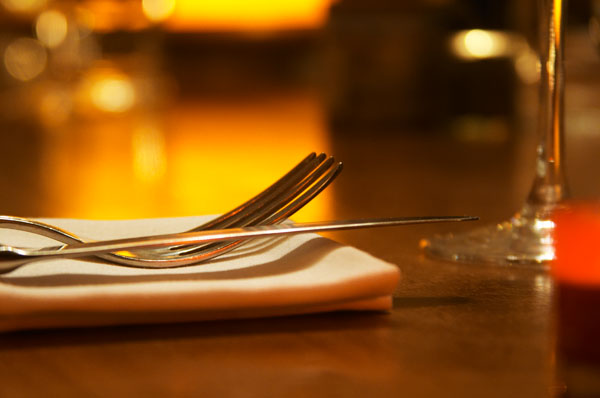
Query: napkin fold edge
83	319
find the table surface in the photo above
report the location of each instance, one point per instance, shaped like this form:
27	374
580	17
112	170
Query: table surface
454	330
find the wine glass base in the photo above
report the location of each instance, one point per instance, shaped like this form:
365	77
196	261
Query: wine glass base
524	240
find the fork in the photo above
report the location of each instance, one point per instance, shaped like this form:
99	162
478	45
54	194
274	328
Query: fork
273	205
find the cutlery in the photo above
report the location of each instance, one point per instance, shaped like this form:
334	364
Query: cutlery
275	204
12	257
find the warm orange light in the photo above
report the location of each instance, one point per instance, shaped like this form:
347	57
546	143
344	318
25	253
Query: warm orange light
158	10
51	28
201	157
149	153
111	15
23	6
207	15
478	44
113	94
106	89
229	151
25	58
243	15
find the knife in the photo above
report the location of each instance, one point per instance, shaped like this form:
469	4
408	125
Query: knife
12	257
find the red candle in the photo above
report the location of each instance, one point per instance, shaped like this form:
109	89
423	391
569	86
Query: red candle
576	272
577	245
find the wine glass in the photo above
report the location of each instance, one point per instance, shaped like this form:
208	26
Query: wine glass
526	238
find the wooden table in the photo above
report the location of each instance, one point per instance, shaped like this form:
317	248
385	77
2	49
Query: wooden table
455	330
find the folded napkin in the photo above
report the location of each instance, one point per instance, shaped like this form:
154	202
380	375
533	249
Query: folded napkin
268	277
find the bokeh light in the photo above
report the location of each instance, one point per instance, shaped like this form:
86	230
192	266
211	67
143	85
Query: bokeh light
243	15
25	58
23	6
110	16
112	93
158	10
51	28
481	44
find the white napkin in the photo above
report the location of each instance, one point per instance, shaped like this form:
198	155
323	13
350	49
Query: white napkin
278	276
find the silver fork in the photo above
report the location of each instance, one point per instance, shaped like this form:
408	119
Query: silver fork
282	199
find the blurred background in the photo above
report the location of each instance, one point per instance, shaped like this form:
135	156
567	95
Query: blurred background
152	108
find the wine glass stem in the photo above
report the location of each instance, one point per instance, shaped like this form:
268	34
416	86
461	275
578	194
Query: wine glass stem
549	186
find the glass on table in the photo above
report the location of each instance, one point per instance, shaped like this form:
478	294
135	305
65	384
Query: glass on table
526	238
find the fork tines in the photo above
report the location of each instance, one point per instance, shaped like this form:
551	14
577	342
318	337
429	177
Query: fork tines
278	202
